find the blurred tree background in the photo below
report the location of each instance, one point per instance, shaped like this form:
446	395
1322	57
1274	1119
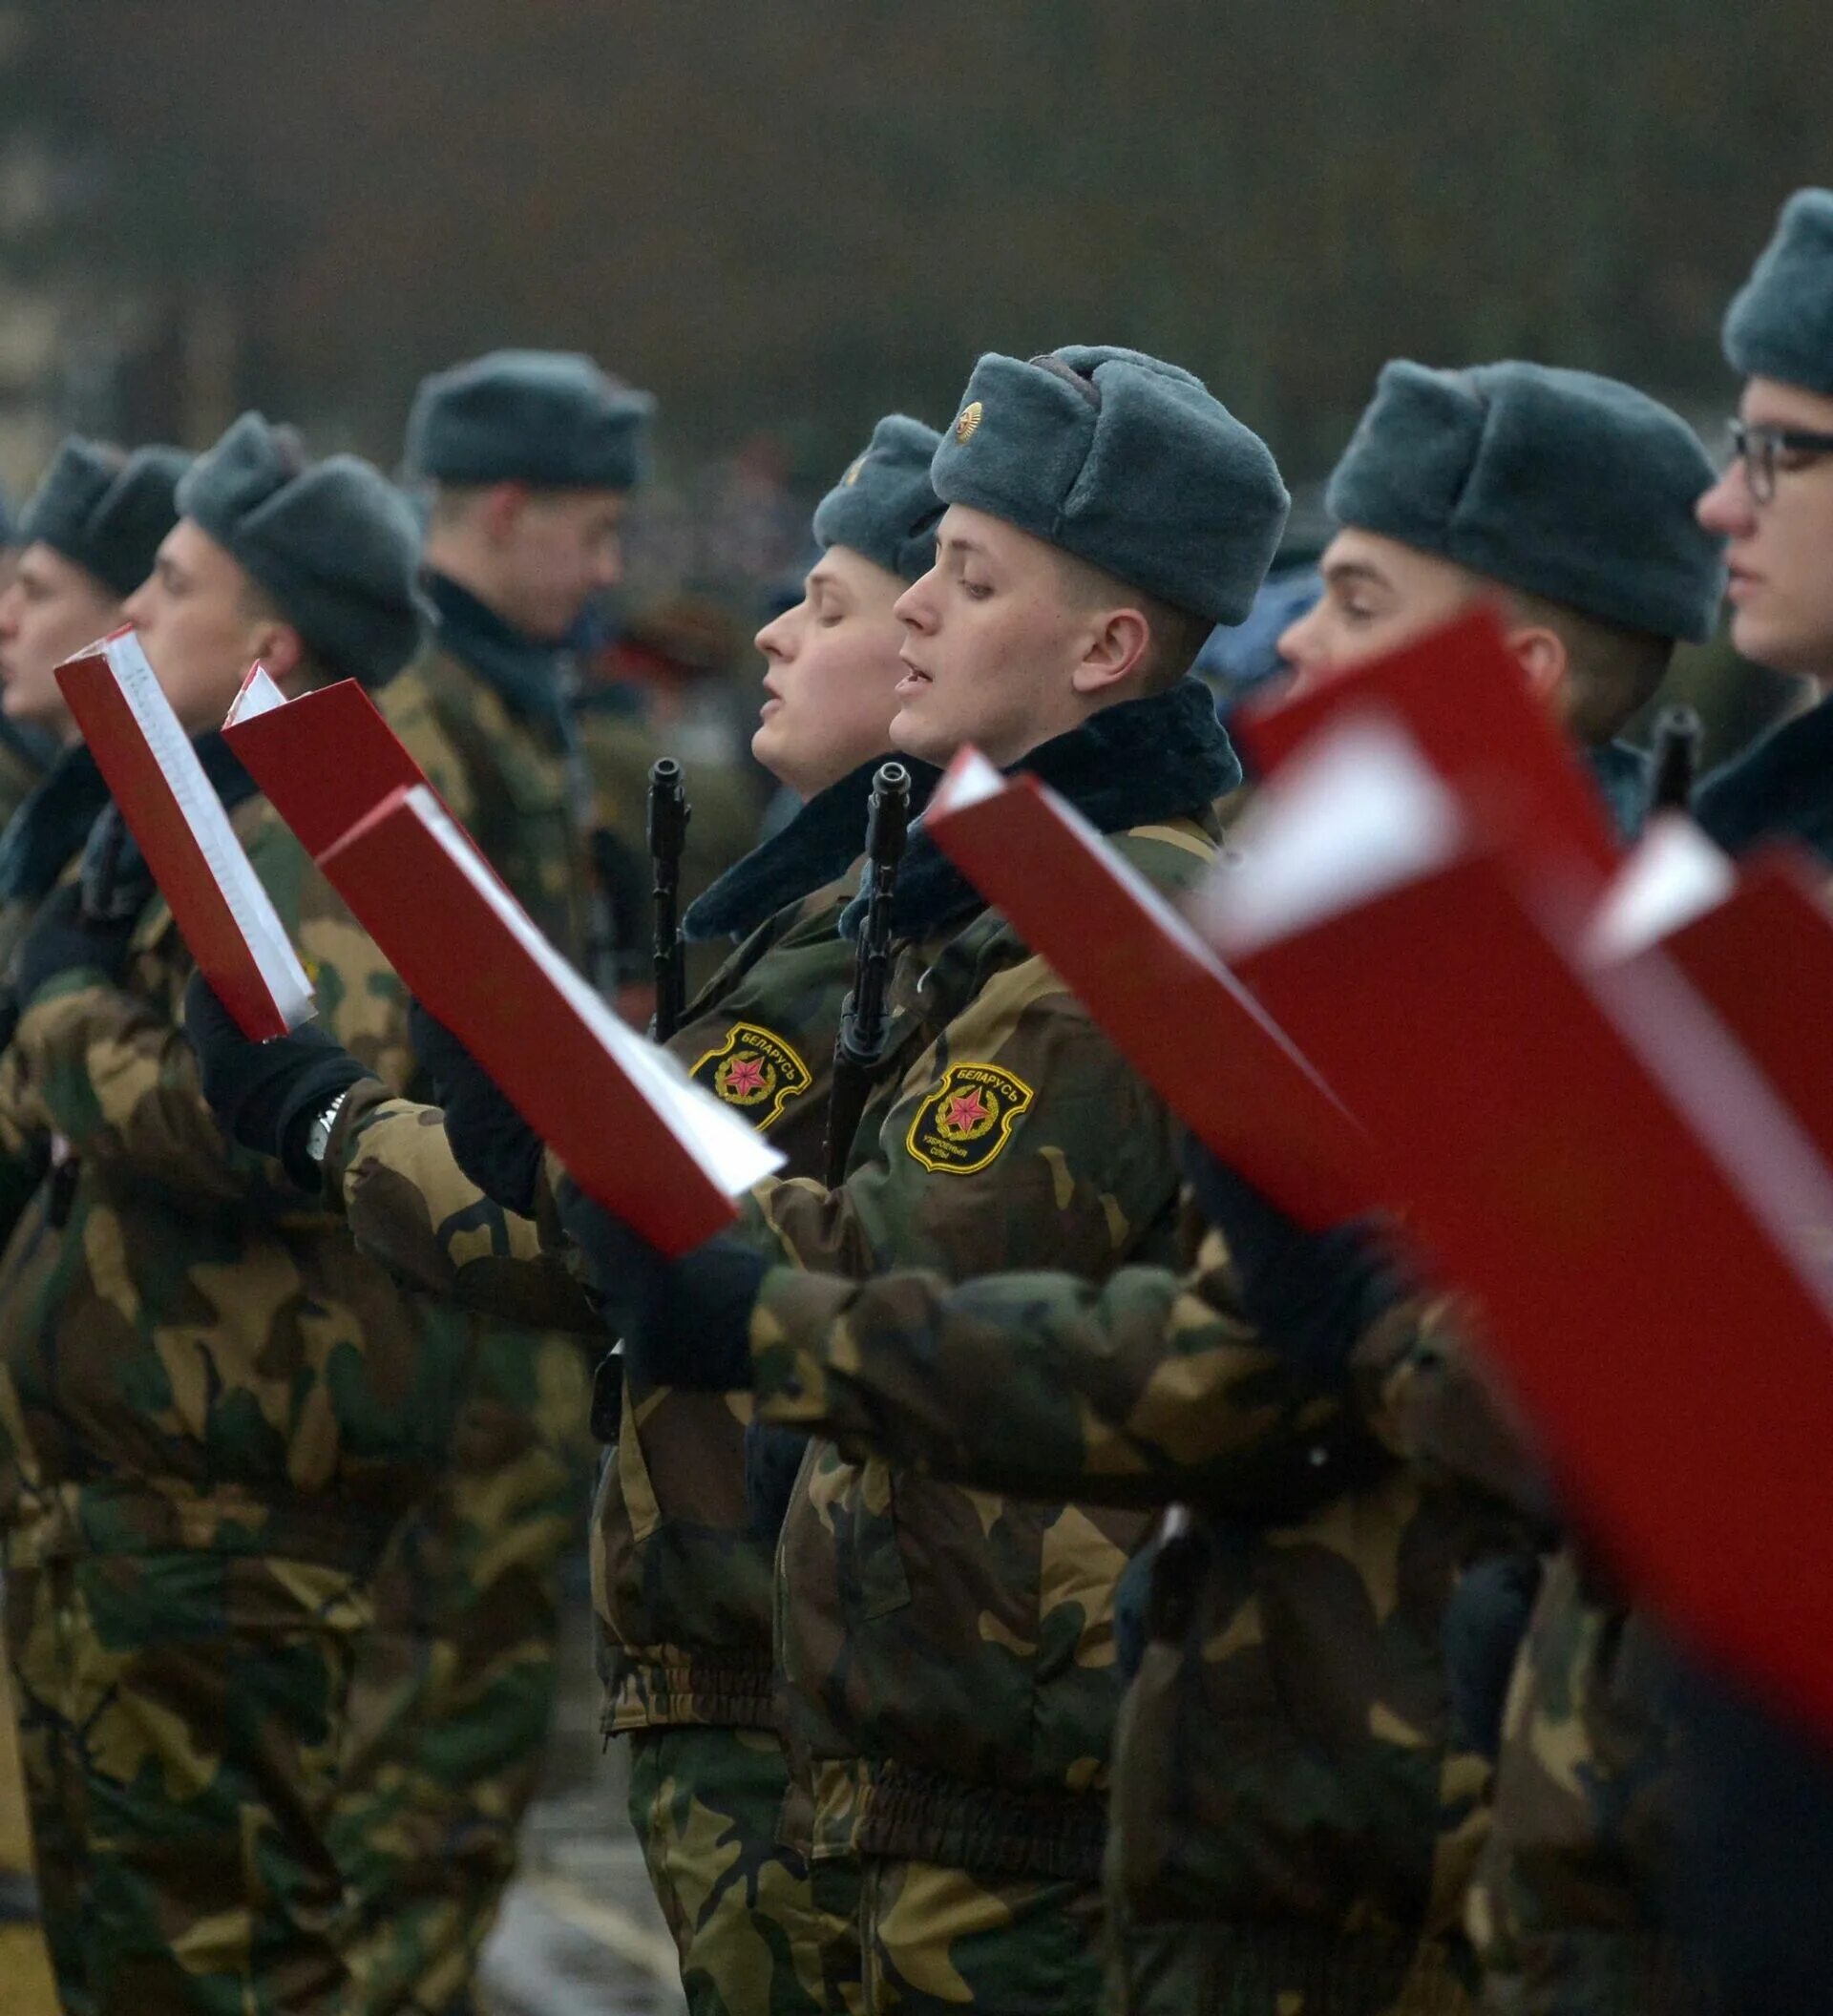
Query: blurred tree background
784	219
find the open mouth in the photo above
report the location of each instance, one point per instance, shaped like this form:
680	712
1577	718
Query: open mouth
914	678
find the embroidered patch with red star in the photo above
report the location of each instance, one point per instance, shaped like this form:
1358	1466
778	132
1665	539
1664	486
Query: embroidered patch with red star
961	1126
756	1071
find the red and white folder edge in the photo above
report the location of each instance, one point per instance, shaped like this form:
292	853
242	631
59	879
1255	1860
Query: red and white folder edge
1167	1003
1550	1084
725	1155
174	813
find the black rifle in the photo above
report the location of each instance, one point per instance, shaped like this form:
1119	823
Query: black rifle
668	816
865	1018
1675	759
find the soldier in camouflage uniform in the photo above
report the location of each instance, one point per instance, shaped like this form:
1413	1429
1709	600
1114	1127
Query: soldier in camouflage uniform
213	1411
948	1675
1572	1909
680	1556
88	532
1295	1817
89	535
528	457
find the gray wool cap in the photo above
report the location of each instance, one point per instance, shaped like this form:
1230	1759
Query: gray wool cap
330	541
884	506
1781	326
106	511
1126	463
1555	482
547	417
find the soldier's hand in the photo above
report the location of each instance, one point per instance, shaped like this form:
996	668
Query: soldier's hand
489	1140
1312	1295
683	1322
266	1096
65	938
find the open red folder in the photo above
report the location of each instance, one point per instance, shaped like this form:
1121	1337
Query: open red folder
1592	1154
1760	954
634	1132
323	760
226	917
1168	1004
1466	705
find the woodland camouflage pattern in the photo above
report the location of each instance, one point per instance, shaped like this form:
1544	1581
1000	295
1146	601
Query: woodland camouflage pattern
523	797
681	1578
1292	1827
1566	1909
454	1694
995	1071
949	1674
213	1413
681	1574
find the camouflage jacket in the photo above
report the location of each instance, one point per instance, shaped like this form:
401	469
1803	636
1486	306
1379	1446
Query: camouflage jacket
194	1354
948	1657
681	1569
522	785
1567	1907
949	1676
1286	1776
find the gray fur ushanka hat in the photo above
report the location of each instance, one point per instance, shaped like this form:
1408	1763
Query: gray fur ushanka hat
106	511
884	507
1558	483
1780	324
551	418
331	543
1127	462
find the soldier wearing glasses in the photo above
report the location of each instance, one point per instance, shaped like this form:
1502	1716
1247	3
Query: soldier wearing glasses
1774	507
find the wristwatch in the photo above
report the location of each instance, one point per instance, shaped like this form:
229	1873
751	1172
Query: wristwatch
319	1140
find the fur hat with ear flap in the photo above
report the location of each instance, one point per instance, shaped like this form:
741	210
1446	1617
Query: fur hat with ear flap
331	543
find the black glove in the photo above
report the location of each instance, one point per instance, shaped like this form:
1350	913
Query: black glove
773	1462
683	1322
489	1140
64	937
1482	1631
268	1095
1310	1294
1132	1607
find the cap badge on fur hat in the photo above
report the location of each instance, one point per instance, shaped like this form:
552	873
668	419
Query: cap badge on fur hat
969	423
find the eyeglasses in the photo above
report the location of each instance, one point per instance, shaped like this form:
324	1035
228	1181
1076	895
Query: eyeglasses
1761	450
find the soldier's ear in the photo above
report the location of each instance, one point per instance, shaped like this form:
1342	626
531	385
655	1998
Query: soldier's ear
1545	659
1119	643
503	505
281	649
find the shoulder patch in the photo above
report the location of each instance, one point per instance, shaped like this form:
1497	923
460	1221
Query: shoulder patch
755	1070
961	1126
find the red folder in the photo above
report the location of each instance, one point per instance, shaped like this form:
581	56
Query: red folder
1588	1153
1463	697
634	1133
1170	1007
1763	960
225	914
324	760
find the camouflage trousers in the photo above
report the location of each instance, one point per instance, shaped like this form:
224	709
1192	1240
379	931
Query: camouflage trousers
181	1717
454	1688
1212	1968
25	1960
759	1934
937	1939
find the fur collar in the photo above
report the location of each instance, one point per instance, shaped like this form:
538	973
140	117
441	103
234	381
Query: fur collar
1161	757
1780	789
48	831
818	847
1621	773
